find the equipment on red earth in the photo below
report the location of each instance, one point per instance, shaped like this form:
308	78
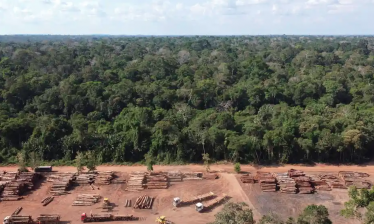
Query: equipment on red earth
200	207
48	219
106	217
162	220
177	202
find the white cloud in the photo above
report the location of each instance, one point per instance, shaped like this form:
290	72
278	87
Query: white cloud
186	16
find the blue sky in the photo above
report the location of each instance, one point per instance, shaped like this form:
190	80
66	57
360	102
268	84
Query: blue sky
187	17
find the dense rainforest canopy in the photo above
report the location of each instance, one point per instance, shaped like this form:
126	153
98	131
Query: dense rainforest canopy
260	99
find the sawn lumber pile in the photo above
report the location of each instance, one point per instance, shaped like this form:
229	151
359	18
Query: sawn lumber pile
86	199
48	218
9	176
267	182
247	178
157	181
355	179
136	182
175	176
304	185
286	184
143	202
193	176
61	183
295	173
104	178
17	211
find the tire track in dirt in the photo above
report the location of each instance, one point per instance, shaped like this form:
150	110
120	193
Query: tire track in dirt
236	191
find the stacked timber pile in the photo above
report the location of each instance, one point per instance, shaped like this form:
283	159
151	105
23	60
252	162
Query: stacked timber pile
295	173
247	179
193	176
355	179
9	176
47	200
144	202
13	190
304	185
136	182
21	219
319	184
85	179
286	184
17	211
267	182
28	178
61	183
48	218
175	176
157	181
86	199
104	178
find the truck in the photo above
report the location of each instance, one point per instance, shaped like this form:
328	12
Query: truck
177	202
27	219
200	207
106	217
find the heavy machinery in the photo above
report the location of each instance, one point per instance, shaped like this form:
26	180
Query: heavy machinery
162	220
177	202
107	205
200	207
107	218
26	219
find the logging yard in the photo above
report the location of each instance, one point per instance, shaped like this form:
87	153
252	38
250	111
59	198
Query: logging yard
123	193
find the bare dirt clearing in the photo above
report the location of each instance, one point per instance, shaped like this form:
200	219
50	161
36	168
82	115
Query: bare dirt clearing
262	203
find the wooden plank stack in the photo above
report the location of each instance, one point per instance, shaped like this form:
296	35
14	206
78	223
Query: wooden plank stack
86	199
318	183
247	179
136	182
304	185
286	184
175	176
9	176
104	178
295	173
143	202
355	179
85	179
193	176
157	182
267	182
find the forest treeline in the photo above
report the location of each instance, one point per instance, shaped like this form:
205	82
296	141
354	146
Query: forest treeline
274	99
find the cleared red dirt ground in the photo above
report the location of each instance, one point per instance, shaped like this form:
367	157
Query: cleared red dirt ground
262	203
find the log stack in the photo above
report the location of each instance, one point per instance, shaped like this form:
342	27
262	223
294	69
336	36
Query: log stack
319	184
85	179
136	182
61	183
193	176
295	173
86	199
247	179
267	182
28	178
47	200
175	176
143	202
104	178
355	179
286	184
9	176
13	190
157	182
304	185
